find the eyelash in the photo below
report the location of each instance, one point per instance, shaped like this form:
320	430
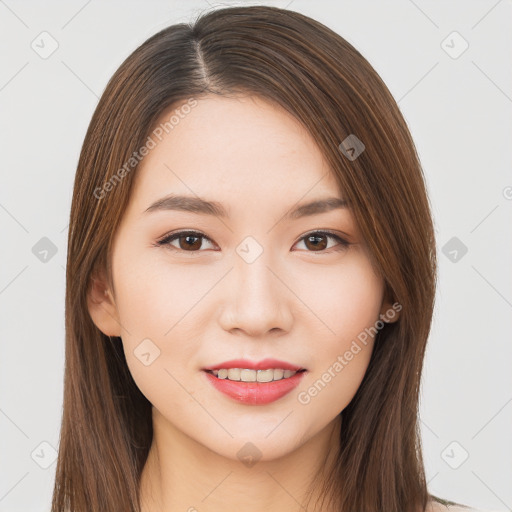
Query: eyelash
343	244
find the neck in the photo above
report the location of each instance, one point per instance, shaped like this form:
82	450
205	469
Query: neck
182	474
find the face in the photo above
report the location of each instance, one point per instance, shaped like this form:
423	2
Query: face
255	283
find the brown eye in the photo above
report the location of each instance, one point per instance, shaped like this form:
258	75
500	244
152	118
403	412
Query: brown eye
188	241
191	241
318	241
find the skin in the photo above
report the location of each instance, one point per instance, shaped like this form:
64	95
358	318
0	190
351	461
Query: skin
207	305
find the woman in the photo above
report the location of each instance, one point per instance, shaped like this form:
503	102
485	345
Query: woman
250	281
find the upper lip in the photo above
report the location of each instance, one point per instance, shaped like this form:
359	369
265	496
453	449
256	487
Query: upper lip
264	364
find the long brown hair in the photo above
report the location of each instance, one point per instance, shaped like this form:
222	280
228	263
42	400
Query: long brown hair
322	80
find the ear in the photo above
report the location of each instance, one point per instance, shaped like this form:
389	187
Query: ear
101	305
390	310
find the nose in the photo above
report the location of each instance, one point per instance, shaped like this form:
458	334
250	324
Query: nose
258	300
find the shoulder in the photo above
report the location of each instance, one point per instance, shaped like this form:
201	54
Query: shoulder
448	506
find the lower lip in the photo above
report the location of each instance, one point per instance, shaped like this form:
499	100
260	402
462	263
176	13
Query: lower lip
255	393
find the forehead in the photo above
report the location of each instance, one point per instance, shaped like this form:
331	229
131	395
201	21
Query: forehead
243	147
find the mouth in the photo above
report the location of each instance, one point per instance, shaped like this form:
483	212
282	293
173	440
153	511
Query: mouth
254	387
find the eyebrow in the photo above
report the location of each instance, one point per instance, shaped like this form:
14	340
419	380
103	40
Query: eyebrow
216	209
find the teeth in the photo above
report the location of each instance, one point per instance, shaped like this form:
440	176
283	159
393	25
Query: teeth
246	375
233	374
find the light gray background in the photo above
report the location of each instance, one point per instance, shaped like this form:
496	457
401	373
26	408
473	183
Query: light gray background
459	113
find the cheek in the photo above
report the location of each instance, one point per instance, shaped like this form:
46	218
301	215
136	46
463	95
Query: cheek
348	307
155	304
153	295
342	299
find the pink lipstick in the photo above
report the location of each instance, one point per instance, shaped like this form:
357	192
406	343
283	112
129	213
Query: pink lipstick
255	383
